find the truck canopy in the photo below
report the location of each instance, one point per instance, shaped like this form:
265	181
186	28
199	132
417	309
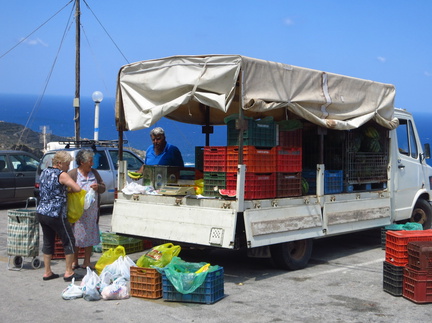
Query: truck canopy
206	89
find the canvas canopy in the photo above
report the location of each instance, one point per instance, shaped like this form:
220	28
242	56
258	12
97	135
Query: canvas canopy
206	89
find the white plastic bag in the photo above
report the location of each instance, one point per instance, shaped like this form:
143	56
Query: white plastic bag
89	198
119	268
90	286
117	290
72	291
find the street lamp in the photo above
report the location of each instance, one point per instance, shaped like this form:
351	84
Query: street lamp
97	97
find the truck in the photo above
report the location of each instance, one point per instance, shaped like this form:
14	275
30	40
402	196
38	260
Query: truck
362	165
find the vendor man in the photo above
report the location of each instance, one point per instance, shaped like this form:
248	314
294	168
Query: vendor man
161	152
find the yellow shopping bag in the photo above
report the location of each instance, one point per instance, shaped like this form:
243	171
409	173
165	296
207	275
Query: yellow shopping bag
108	257
159	256
75	205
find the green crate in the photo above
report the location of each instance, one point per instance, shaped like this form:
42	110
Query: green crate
259	133
212	180
130	247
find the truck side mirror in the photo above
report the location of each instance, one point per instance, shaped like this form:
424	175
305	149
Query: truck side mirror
426	151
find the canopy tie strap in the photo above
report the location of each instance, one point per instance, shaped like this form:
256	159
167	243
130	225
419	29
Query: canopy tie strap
326	95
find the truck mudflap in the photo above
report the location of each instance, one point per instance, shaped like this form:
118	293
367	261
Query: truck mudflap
281	224
194	224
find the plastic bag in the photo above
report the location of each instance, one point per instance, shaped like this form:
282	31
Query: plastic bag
89	198
75	205
90	286
159	256
186	277
117	290
108	257
119	268
72	291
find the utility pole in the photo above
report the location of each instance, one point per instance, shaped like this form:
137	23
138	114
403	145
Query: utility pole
76	102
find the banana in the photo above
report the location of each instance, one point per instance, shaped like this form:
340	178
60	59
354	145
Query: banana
135	175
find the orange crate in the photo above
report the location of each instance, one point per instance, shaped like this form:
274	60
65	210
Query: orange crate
257	186
257	160
145	282
397	244
288	159
417	286
215	159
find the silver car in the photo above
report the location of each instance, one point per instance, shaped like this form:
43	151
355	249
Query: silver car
17	175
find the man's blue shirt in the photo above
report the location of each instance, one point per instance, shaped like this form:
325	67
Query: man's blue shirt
171	156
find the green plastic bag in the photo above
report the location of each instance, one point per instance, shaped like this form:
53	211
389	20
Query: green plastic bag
159	256
108	257
183	275
75	205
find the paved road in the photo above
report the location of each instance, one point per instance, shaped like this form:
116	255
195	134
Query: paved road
343	283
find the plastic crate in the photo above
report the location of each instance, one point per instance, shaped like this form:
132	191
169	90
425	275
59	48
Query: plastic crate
333	181
215	159
290	138
397	244
260	133
213	180
59	250
288	184
209	292
257	186
393	279
130	247
257	160
420	255
145	282
417	286
288	159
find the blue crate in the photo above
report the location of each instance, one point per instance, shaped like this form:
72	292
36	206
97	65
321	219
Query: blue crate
209	292
333	181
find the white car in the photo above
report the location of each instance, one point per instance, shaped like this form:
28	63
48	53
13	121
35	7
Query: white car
105	162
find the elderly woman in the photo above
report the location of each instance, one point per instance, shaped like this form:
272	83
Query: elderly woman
52	211
86	229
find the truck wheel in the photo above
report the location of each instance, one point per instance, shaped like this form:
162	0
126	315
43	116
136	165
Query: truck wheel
292	255
422	214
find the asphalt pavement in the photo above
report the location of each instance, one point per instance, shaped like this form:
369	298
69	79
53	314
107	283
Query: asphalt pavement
343	283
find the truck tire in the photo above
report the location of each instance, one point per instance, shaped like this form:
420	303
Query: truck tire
422	213
292	255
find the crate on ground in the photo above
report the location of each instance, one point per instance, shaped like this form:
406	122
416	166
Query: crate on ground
59	250
145	282
112	240
215	159
260	132
257	160
393	279
288	184
417	286
211	291
213	182
288	159
257	185
396	251
290	133
410	226
420	255
333	181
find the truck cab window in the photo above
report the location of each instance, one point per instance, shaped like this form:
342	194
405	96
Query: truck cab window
406	139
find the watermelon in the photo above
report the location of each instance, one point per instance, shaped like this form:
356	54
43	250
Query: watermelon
229	193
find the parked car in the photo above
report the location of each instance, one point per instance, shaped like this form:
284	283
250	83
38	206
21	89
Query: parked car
17	175
105	161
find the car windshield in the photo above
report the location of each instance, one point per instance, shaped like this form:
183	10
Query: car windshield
133	163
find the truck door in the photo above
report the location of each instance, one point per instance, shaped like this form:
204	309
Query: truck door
409	173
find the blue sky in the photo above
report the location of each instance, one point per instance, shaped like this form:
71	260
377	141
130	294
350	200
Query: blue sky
382	40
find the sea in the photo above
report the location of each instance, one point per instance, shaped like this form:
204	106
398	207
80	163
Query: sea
56	114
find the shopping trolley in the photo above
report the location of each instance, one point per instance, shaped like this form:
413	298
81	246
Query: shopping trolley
23	236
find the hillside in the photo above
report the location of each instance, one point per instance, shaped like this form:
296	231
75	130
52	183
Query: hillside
14	136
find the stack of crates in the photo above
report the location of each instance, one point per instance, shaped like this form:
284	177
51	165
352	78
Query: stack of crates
396	258
215	165
59	250
131	245
417	282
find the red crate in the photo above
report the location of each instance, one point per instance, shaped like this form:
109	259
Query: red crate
257	160
288	159
417	286
288	184
145	282
257	186
59	250
215	159
290	138
420	255
397	244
